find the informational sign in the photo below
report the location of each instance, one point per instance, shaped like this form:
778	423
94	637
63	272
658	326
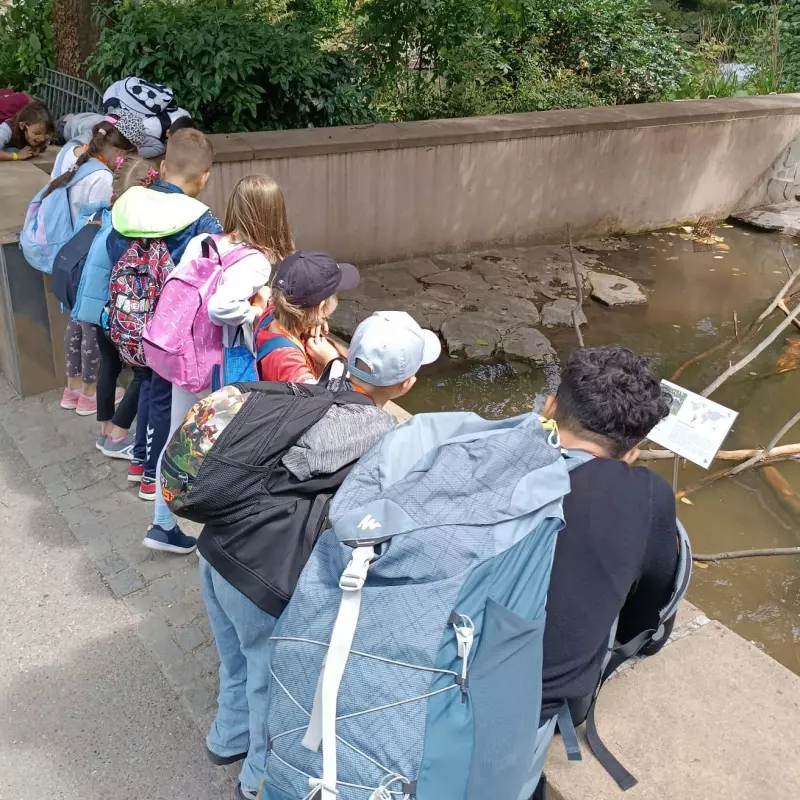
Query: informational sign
696	426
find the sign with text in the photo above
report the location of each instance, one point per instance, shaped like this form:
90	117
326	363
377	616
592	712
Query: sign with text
696	426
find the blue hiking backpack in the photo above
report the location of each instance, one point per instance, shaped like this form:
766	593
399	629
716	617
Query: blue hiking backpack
438	561
48	222
411	651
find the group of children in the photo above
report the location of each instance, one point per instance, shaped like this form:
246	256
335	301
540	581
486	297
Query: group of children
276	299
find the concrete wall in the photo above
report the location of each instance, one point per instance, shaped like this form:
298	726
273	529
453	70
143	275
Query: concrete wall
385	192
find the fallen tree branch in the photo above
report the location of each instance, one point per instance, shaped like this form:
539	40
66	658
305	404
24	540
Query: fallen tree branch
775	551
579	287
725	473
752	329
783	307
753	354
725	455
767	451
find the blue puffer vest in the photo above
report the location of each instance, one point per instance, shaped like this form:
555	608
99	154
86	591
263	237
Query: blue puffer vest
93	287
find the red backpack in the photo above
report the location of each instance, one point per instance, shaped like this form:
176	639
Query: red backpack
11	102
136	282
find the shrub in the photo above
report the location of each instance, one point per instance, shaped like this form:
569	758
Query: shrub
26	42
230	65
515	55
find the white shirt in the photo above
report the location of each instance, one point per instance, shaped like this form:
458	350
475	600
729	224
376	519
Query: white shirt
5	135
94	188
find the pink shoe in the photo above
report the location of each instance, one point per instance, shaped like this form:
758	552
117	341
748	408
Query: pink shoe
69	399
118	395
86	405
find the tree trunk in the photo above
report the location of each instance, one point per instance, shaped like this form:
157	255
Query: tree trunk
75	35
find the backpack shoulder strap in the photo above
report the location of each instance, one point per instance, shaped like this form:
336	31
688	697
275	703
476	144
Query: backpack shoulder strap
275	343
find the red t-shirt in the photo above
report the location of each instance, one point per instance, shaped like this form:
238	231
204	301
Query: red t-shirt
290	364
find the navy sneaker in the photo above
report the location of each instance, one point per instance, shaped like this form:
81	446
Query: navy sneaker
245	794
173	540
223	761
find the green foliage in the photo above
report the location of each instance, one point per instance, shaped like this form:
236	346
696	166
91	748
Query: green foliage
26	42
322	13
230	65
432	58
790	39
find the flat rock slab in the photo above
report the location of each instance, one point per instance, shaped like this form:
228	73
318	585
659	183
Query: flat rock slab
471	335
614	290
559	313
530	346
780	217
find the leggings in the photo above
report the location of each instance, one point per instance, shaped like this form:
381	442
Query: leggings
81	351
110	368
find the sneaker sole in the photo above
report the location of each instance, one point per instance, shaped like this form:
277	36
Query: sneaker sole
69	407
135	478
168	548
143	496
83	413
99	447
117	454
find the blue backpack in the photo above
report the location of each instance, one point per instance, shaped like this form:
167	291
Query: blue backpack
92	294
423	682
48	222
411	650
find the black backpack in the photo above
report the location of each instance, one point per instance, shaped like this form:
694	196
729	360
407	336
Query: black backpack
261	521
69	263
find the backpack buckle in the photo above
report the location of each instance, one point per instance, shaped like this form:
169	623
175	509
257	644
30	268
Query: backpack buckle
355	573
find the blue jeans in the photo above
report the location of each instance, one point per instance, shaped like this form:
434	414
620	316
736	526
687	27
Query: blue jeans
241	630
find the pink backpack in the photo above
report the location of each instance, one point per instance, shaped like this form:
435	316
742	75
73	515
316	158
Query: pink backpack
180	342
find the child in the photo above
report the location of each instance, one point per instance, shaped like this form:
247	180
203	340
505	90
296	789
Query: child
255	219
303	297
27	133
386	352
166	210
114	440
112	139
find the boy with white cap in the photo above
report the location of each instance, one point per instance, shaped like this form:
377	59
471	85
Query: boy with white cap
386	351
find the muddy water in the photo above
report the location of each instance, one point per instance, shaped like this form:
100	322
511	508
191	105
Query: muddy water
692	299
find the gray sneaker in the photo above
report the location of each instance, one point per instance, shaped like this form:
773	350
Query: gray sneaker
100	442
120	449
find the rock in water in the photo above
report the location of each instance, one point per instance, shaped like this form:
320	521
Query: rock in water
471	335
780	217
614	290
530	345
559	312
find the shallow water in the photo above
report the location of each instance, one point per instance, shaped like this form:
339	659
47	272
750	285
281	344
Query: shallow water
692	301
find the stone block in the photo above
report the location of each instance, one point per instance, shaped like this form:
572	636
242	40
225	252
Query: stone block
124	583
777	188
614	290
467	281
199	698
792	156
530	346
110	564
420	267
189	637
559	313
472	335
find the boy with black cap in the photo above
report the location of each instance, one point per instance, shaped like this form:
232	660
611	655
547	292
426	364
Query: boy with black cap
386	352
290	341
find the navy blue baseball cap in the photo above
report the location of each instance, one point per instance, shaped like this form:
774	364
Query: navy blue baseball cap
307	277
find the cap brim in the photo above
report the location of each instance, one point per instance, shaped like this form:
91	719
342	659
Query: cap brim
350	278
431	348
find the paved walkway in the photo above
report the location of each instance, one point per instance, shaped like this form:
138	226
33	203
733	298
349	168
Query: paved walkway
107	665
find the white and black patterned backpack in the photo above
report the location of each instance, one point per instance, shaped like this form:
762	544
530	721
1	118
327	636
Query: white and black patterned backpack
138	95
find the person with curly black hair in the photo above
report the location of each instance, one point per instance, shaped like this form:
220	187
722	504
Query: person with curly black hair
618	553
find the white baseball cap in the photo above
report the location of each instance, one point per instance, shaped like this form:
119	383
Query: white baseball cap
389	347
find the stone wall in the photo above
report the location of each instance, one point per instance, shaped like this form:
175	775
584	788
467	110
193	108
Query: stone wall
391	192
780	182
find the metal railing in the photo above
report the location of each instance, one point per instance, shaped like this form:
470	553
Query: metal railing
64	94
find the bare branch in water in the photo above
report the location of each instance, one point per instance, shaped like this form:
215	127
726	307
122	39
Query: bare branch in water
725	455
783	307
726	473
766	452
775	551
736	324
753	354
578	286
